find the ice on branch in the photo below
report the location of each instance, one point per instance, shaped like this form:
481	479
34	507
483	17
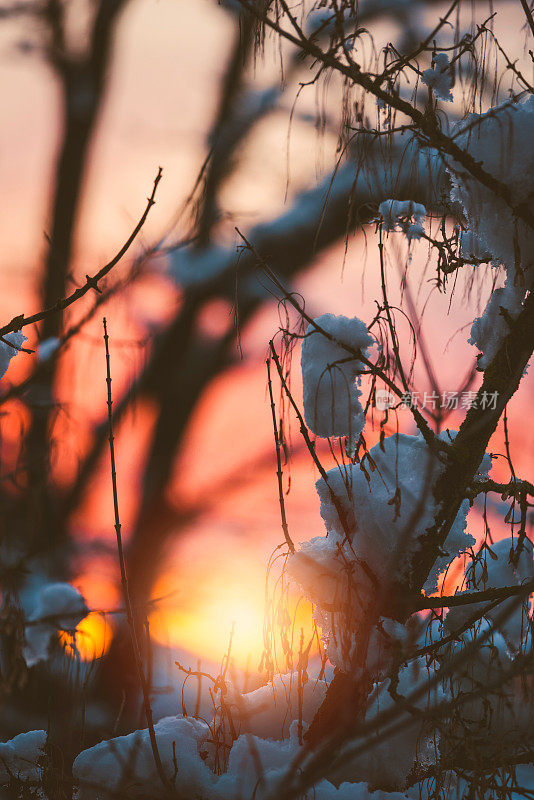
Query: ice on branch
501	141
439	77
8	351
59	607
330	376
20	757
374	515
403	215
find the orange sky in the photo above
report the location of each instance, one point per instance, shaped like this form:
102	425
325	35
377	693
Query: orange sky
168	64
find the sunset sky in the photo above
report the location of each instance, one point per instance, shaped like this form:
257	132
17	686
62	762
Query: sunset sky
168	64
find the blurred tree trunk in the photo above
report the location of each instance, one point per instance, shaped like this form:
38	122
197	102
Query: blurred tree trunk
83	84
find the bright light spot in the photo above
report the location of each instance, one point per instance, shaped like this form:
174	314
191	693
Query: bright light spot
92	638
211	589
203	624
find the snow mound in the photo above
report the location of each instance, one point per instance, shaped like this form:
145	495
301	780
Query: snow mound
19	757
126	763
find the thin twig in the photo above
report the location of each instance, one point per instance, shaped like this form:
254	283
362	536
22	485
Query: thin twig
285	528
428	435
124	579
393	332
91	281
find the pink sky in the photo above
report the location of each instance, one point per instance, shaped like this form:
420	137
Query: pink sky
168	64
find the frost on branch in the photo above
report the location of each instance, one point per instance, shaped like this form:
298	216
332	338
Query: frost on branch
403	215
439	77
331	376
502	142
7	352
59	607
386	511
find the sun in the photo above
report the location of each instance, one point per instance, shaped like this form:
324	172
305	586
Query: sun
221	609
203	604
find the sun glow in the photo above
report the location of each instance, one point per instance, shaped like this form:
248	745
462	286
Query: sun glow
91	639
204	624
215	606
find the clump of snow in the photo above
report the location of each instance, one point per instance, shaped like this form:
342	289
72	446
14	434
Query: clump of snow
502	142
268	711
397	214
59	607
20	757
330	376
244	778
471	248
385	762
256	766
403	215
386	509
127	763
489	330
7	352
414	231
439	77
498	570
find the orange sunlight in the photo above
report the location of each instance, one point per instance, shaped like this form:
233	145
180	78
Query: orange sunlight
91	639
233	598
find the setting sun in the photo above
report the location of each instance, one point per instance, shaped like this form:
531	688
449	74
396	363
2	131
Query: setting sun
198	608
